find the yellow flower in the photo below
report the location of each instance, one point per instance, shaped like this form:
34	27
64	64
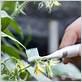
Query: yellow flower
38	69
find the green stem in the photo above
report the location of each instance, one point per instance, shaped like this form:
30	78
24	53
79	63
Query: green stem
21	7
5	35
24	68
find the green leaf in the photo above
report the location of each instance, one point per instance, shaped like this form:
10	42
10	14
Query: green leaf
4	77
16	27
25	75
5	35
7	31
7	20
9	6
9	66
13	8
6	48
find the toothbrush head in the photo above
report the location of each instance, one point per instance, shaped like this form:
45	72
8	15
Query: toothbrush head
32	54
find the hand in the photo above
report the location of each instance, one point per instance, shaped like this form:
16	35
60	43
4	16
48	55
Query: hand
71	36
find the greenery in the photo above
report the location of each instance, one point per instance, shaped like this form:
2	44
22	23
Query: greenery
12	66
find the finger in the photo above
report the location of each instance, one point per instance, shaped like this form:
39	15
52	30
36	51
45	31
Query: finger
72	33
66	60
74	60
70	37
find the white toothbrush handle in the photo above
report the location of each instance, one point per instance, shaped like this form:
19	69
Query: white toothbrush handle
73	50
70	51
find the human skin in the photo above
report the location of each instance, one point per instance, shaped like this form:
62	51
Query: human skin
71	36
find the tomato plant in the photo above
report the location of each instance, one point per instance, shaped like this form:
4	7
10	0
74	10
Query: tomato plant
13	67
